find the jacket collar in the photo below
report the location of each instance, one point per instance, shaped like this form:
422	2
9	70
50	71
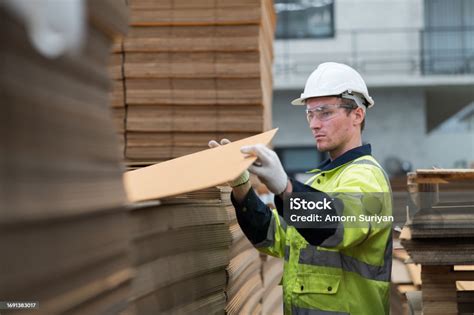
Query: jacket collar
348	156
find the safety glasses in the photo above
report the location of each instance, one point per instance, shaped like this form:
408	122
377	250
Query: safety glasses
325	112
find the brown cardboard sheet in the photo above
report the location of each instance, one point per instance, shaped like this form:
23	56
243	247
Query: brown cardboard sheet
195	171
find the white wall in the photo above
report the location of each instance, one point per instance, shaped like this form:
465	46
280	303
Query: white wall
375	14
367	34
452	146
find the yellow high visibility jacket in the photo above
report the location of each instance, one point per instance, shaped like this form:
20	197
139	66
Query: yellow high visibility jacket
349	273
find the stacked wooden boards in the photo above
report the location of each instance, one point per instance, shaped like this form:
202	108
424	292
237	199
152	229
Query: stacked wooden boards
191	256
63	228
194	71
440	238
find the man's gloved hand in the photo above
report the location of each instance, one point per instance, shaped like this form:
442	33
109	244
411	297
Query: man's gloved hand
243	178
268	168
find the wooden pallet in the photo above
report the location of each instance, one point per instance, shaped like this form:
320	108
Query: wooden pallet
440	238
424	183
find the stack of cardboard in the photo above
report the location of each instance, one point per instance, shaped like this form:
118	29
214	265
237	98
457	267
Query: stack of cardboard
272	271
117	92
196	227
245	287
406	278
63	228
446	281
181	251
272	267
440	231
191	255
195	71
440	238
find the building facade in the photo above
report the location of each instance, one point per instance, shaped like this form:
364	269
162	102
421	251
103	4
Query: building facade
417	58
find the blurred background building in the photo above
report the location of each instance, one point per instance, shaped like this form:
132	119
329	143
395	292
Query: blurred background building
417	58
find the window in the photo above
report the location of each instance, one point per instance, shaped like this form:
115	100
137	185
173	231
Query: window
448	44
305	18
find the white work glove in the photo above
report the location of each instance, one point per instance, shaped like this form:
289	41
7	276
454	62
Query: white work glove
268	168
242	178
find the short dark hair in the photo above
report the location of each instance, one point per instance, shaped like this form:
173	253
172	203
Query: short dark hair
354	105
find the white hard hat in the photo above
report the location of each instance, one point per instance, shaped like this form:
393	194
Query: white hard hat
336	79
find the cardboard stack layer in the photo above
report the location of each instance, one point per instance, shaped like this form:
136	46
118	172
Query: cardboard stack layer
117	92
63	228
195	71
245	287
191	255
406	278
272	271
440	238
180	249
272	268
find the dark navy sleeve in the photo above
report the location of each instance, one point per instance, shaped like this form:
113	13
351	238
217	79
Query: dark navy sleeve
314	236
297	187
253	216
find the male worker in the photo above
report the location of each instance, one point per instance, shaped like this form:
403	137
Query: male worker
327	270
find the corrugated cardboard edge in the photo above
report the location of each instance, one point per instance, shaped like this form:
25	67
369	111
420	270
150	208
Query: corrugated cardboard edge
192	172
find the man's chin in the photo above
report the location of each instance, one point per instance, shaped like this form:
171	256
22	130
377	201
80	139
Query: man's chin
321	147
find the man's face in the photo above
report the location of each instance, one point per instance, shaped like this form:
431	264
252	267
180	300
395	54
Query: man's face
334	132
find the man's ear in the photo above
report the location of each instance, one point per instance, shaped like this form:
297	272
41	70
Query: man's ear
359	116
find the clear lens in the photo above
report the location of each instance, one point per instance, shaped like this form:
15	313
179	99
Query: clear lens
325	112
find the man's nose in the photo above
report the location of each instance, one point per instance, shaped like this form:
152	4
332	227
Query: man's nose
315	123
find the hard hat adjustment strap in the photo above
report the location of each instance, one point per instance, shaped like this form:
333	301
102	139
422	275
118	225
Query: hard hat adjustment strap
360	101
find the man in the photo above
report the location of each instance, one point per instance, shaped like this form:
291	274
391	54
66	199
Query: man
328	269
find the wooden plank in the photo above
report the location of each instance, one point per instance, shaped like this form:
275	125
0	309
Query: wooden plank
443	175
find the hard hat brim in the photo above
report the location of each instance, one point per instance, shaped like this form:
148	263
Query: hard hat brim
302	101
298	101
